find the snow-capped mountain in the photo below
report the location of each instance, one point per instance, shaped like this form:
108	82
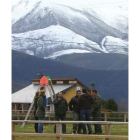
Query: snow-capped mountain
114	45
46	41
49	28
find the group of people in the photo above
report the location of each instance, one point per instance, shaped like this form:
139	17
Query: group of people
83	105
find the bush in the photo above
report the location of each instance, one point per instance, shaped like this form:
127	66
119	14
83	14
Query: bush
110	105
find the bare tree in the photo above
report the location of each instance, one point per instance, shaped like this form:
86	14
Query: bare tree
123	106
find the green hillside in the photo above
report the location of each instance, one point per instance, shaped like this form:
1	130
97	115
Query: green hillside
96	61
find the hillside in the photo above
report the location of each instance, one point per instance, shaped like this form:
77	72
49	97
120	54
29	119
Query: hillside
109	83
96	61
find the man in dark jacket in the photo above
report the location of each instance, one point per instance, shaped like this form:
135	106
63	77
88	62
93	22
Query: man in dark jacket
61	107
96	111
35	108
41	105
85	102
73	106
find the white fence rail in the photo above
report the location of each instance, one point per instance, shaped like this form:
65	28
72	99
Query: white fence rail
59	134
106	116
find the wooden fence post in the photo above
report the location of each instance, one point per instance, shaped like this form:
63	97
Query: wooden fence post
105	117
58	131
15	108
107	130
13	130
22	105
125	116
18	113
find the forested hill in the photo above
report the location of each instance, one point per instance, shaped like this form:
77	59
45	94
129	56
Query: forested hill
96	61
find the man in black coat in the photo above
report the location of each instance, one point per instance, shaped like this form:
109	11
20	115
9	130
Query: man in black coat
41	106
61	107
85	102
73	106
96	111
35	108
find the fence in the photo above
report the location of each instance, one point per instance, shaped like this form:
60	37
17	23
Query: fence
124	116
59	134
106	115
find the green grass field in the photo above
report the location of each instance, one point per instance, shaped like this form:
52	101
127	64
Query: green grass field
115	130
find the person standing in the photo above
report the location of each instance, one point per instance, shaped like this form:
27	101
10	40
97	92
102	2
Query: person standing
41	105
85	102
73	106
35	108
61	107
96	111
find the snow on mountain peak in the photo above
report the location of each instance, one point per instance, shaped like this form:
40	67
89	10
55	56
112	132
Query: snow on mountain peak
90	26
108	10
115	45
56	33
66	52
52	39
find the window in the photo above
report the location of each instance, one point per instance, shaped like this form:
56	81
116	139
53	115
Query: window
78	88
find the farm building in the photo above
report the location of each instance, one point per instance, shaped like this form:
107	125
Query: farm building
22	99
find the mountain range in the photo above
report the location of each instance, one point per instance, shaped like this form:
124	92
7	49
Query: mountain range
87	40
49	29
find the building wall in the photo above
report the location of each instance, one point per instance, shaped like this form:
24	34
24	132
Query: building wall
69	94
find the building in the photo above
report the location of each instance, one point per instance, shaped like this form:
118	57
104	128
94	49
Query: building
22	99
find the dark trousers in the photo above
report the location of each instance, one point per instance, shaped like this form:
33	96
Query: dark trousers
76	127
36	125
85	116
98	128
61	117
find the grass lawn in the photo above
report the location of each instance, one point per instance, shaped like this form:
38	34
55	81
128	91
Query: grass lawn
29	128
